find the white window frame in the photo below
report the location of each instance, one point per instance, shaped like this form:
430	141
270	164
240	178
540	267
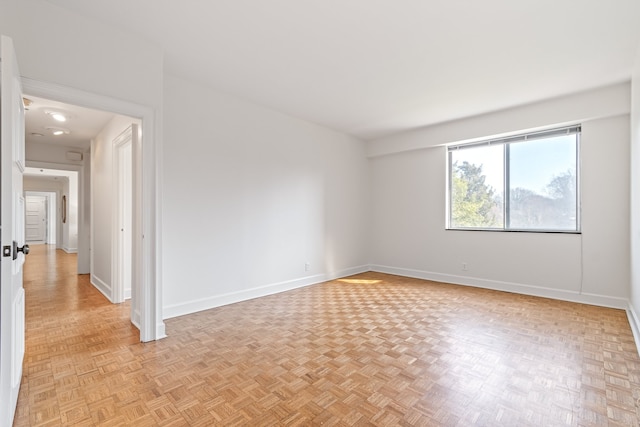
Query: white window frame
506	141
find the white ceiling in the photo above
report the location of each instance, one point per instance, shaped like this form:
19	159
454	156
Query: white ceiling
374	67
82	123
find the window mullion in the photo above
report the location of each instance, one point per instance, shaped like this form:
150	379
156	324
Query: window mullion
507	187
449	188
578	186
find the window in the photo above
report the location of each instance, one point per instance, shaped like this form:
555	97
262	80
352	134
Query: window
526	182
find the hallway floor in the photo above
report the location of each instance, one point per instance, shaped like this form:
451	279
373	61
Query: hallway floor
371	349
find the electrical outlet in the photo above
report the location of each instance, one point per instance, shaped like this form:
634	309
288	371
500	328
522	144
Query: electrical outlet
307	266
464	267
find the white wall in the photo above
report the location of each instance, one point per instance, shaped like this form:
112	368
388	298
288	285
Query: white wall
66	229
39	152
102	191
84	218
55	45
33	183
250	196
69	241
635	200
70	235
408	207
602	102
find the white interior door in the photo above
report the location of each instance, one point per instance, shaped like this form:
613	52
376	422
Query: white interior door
127	223
36	219
136	226
12	235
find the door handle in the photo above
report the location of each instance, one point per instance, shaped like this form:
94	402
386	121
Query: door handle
16	249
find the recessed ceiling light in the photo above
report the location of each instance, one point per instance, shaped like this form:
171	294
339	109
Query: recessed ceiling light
58	131
39	135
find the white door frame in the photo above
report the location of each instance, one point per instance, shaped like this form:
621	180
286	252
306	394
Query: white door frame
52	197
126	256
44	199
122	200
80	198
151	322
58	191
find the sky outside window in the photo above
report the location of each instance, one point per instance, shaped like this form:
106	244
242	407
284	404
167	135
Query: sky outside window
535	163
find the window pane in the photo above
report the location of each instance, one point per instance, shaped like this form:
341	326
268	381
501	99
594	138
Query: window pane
542	193
477	182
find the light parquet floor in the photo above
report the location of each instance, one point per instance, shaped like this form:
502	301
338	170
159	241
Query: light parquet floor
372	349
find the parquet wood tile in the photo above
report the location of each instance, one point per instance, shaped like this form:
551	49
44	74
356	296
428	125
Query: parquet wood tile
369	350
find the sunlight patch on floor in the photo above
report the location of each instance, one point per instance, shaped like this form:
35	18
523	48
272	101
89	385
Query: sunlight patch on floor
359	281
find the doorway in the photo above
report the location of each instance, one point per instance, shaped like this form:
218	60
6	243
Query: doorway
36	219
126	258
61	190
41	227
150	318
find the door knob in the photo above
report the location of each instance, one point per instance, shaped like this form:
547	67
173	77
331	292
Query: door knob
16	249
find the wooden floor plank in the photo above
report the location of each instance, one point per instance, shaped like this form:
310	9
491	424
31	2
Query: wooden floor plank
371	349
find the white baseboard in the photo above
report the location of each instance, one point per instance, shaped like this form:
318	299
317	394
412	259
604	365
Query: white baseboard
634	321
70	250
518	288
127	294
260	291
101	285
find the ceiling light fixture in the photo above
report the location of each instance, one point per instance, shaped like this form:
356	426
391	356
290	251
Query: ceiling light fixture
58	131
57	116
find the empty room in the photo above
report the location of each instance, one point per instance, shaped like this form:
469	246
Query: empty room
336	213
